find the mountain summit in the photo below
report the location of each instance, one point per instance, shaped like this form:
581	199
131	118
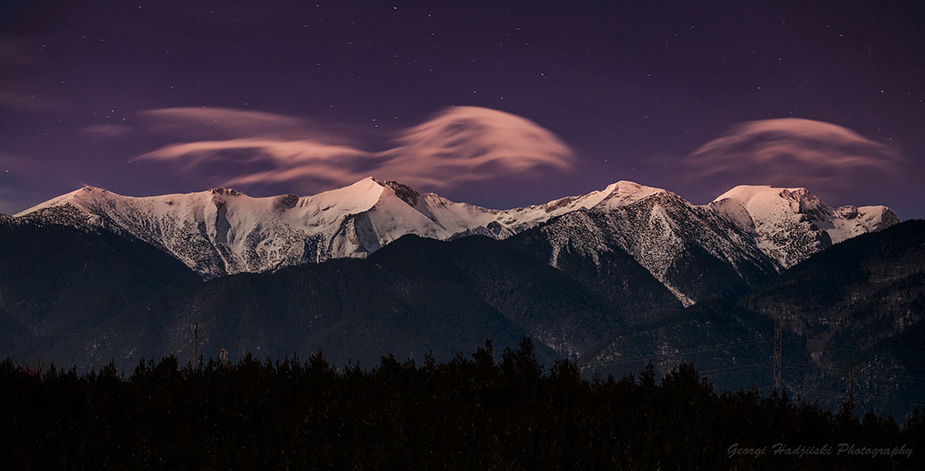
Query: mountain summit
222	231
750	230
790	224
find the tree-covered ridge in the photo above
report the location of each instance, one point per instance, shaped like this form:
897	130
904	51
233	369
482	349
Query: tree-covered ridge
485	412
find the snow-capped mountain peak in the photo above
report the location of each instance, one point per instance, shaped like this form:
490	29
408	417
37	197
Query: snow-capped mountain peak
223	231
790	224
625	192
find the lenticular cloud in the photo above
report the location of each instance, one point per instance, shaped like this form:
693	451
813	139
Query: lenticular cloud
793	152
474	144
457	145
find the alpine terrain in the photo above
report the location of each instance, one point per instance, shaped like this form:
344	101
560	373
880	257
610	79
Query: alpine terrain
614	279
736	242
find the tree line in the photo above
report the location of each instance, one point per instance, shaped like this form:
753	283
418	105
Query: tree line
490	410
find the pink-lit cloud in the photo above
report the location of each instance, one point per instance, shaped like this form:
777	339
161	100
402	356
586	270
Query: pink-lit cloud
301	162
107	131
467	143
21	99
194	123
794	152
458	145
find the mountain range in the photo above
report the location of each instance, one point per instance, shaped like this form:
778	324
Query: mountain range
613	279
744	235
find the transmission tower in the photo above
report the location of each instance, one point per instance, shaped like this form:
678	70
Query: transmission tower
778	353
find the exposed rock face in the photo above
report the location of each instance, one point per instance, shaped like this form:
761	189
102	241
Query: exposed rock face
697	252
790	224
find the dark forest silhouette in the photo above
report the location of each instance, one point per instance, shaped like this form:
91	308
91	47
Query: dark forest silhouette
481	412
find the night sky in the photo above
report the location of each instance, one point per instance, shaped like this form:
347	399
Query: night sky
500	104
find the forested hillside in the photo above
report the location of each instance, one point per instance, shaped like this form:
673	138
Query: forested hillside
490	411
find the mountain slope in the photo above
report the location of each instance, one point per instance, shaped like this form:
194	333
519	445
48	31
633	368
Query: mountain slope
574	283
856	309
790	224
730	345
221	231
723	250
57	283
694	253
874	277
413	296
860	306
610	272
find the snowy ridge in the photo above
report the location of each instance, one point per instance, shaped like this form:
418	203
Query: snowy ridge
746	233
790	224
222	231
667	235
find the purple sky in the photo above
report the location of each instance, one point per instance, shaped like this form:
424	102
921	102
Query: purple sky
495	103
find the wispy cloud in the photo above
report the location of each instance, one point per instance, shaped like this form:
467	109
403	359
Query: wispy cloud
457	145
23	100
105	131
194	123
793	152
301	163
